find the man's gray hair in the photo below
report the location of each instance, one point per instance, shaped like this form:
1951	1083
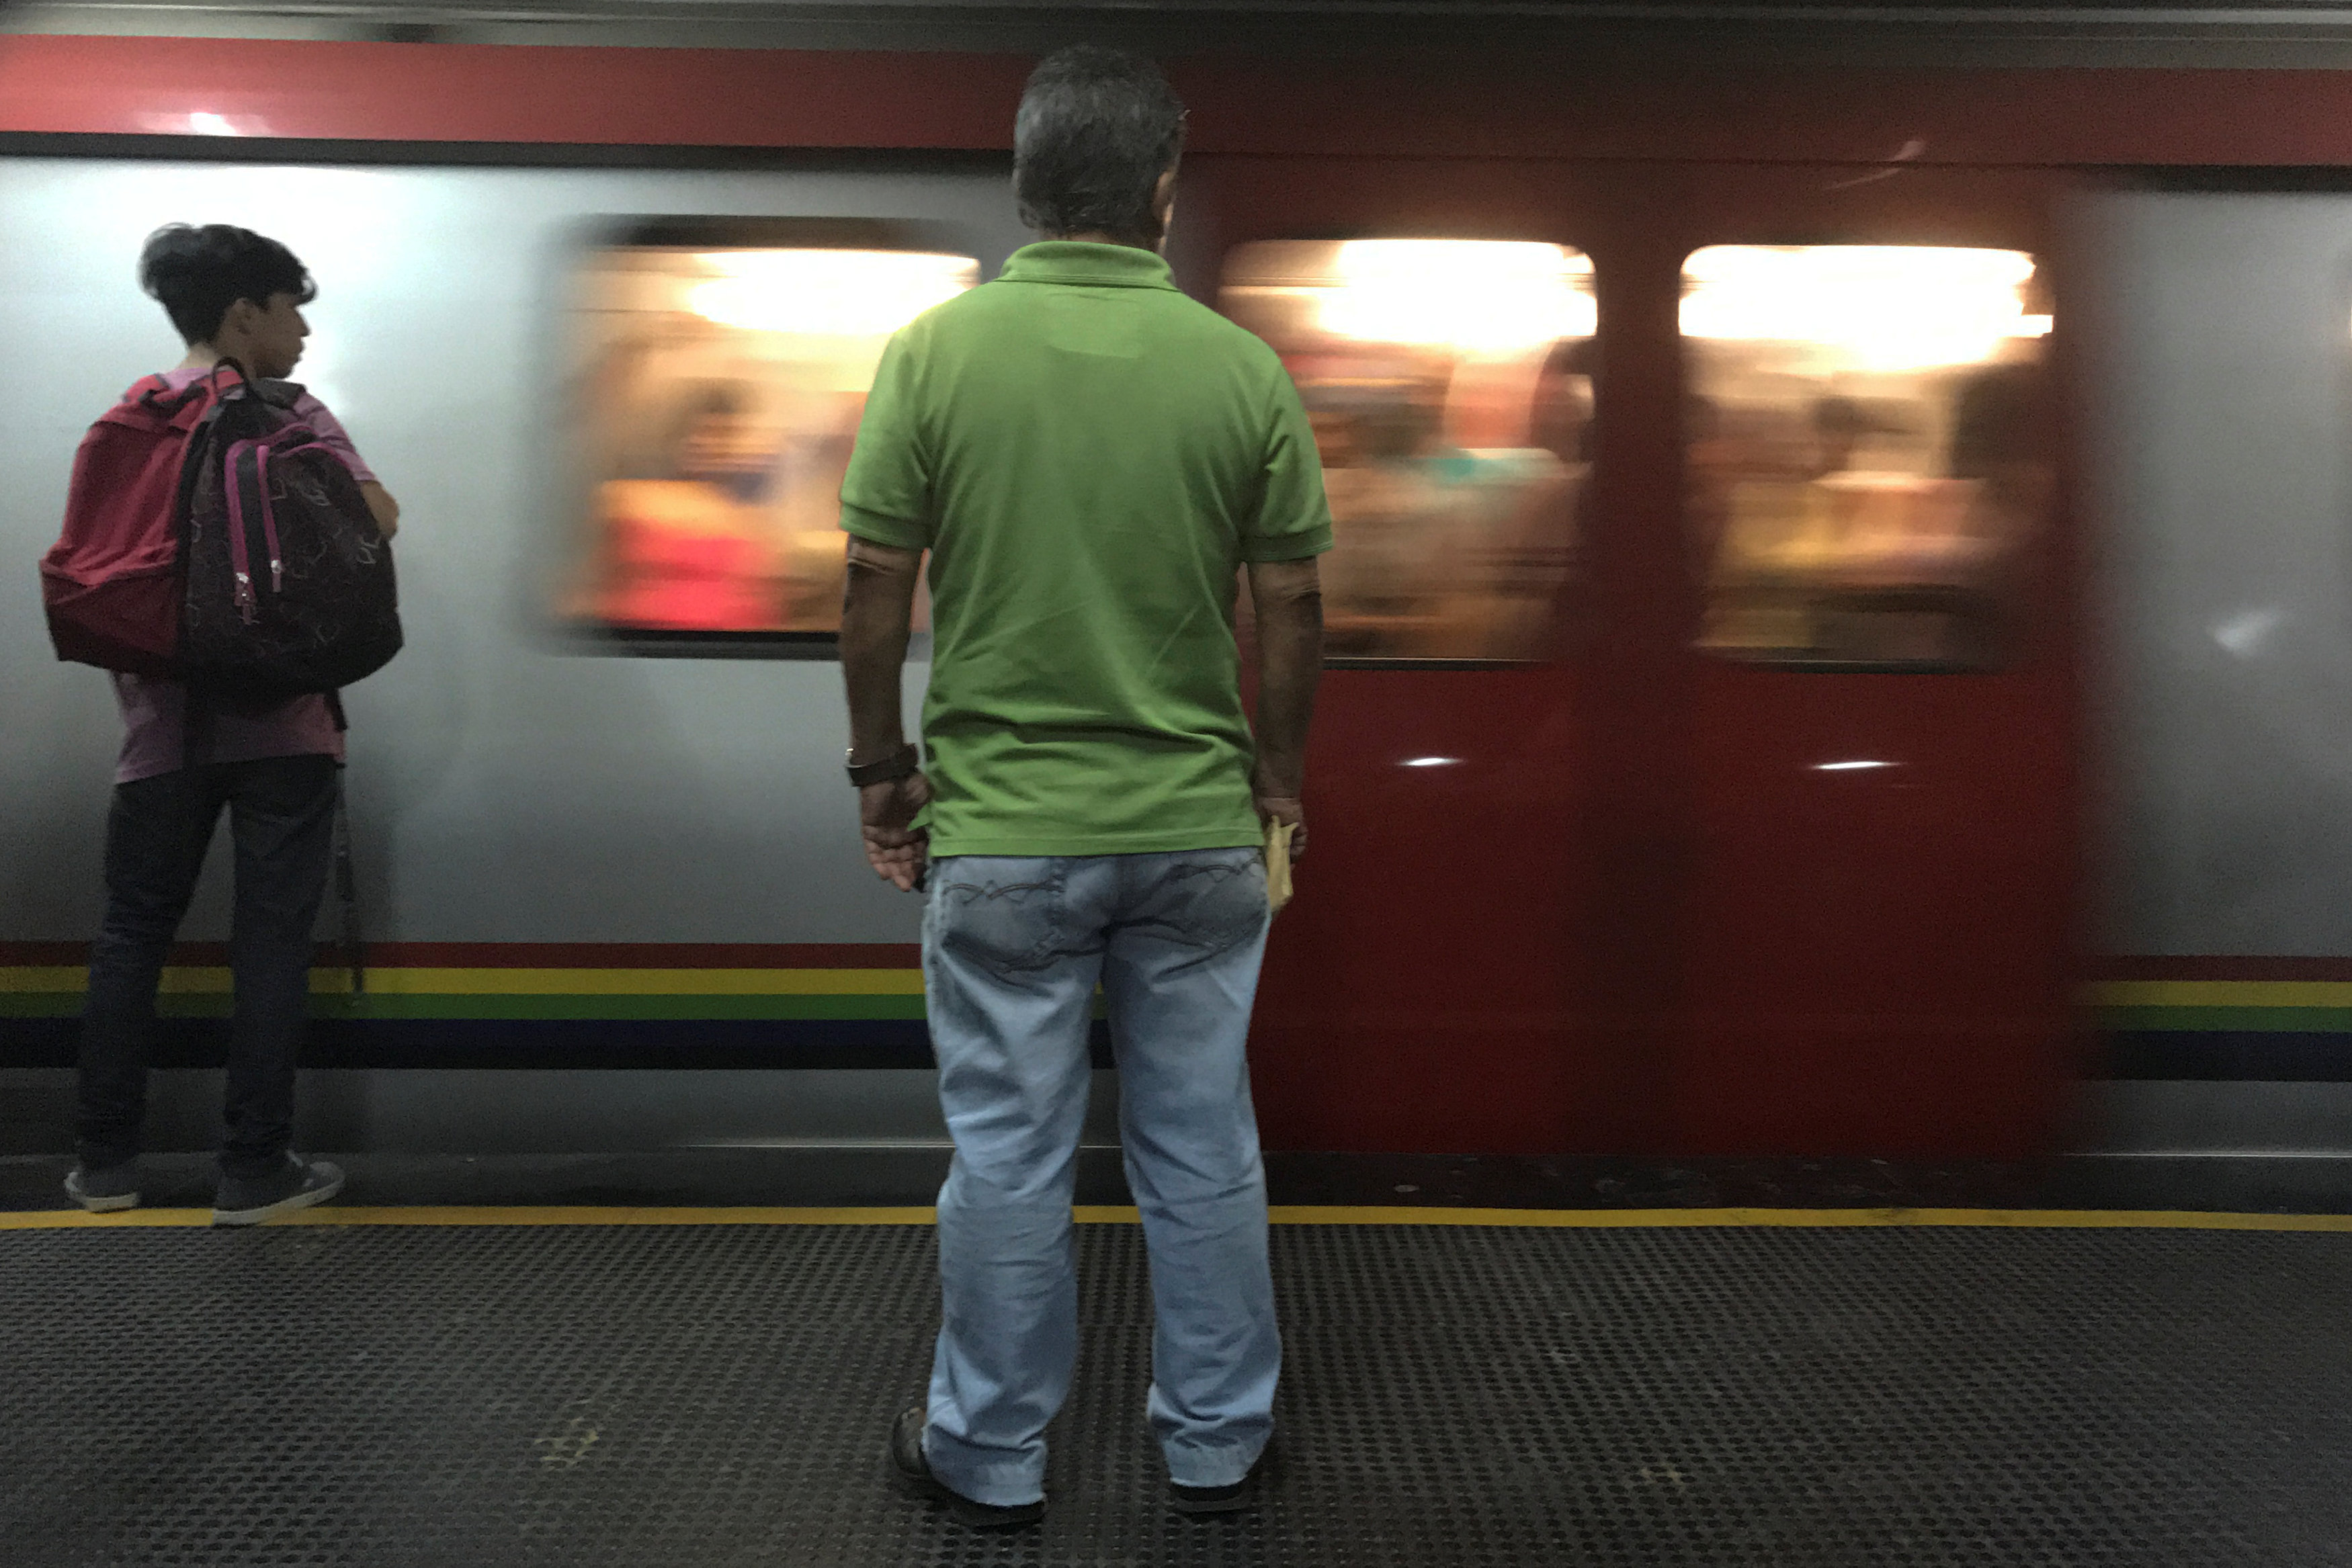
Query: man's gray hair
1098	128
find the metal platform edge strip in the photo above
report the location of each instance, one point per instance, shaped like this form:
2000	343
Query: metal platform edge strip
1297	1214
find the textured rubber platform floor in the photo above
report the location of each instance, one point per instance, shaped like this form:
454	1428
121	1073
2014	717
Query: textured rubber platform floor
683	1396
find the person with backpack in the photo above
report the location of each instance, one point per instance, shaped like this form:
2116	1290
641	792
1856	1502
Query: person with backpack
151	498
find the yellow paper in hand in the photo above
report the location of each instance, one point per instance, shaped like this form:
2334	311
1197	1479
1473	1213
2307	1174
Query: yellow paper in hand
1277	865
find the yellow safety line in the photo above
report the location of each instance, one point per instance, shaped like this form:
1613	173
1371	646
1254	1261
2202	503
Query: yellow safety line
1299	1214
189	979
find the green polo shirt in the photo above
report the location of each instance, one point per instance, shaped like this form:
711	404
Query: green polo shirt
1089	455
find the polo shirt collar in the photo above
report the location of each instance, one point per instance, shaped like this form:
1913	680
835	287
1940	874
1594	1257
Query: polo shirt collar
1082	261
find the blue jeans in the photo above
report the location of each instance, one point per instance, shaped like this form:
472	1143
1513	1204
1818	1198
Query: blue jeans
1013	948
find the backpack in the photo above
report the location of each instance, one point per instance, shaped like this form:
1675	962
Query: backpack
211	536
289	585
111	583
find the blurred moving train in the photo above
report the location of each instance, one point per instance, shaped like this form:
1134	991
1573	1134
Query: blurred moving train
1838	633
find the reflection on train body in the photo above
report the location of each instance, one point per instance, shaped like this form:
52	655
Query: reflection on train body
723	390
1449	388
1861	450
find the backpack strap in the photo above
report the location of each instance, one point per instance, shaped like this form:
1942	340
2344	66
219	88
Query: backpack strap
197	709
346	888
347	876
244	376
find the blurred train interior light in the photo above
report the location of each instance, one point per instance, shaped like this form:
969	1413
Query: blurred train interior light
1431	762
827	293
1882	307
1857	765
1486	295
1480	297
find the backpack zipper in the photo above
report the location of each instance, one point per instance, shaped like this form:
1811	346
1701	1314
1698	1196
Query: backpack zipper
240	562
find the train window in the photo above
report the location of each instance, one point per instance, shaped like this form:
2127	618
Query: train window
1863	455
1450	389
720	382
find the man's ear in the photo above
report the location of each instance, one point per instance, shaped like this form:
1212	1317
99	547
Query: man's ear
242	316
1163	204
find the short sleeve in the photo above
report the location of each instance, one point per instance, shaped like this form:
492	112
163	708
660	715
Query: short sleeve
314	414
1293	520
885	496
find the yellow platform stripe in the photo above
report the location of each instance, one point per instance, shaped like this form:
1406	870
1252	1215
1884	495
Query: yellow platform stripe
1299	1213
208	980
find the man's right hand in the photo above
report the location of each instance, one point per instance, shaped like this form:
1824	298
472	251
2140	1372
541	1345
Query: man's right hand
1285	808
894	847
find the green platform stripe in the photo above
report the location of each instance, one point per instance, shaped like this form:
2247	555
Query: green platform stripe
43	1004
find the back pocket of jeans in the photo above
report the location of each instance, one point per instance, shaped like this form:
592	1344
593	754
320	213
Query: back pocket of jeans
1213	901
1009	924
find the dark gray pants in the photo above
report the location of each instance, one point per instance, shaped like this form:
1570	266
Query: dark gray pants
281	822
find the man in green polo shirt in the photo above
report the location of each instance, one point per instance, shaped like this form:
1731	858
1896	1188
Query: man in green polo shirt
1091	459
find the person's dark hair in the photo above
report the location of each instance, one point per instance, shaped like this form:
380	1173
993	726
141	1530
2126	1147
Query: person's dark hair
1993	421
199	273
1841	416
1098	128
700	403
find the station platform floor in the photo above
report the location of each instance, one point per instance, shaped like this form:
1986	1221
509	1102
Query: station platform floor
693	1360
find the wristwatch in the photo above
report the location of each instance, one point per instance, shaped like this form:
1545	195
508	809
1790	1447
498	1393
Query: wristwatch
900	764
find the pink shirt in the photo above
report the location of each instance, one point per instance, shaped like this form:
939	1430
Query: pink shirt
154	710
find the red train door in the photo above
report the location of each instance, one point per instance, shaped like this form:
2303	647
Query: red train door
1417	993
1881	878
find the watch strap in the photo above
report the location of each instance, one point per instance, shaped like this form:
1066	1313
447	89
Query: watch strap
902	764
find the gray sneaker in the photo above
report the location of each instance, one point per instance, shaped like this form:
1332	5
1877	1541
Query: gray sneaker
106	1191
299	1183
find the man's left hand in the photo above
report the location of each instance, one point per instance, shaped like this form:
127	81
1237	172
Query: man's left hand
894	849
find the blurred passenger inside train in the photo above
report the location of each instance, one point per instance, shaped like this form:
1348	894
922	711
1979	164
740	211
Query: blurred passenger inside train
692	547
724	374
1092	459
1840	424
233	295
1995	438
1449	387
1862	453
1376	437
1514	570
